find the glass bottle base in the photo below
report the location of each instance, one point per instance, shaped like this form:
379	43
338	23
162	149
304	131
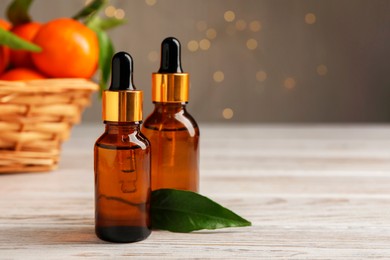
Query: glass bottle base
122	234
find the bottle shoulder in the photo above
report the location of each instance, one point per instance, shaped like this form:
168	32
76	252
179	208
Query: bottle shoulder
179	121
123	141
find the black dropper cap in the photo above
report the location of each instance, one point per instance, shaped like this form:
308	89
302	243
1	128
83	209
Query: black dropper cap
170	83
170	56
122	72
122	102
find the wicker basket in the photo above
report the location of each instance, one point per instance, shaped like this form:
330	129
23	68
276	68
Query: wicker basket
35	118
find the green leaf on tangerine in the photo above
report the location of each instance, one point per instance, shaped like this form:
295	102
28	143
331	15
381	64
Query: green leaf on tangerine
106	51
89	9
17	11
14	42
105	24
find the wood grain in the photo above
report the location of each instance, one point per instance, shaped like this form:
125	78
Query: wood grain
311	192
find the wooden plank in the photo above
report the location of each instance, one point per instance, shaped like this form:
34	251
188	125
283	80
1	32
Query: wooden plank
311	192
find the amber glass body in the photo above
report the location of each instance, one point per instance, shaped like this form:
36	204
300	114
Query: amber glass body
122	184
174	138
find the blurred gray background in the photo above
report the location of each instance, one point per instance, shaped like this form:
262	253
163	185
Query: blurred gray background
259	61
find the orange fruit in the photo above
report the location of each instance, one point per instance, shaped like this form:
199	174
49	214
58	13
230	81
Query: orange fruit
27	31
4	58
4	50
22	74
5	24
69	49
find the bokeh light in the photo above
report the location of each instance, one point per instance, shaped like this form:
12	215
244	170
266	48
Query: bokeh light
310	18
110	11
150	2
322	70
289	83
119	13
193	46
241	25
229	16
251	44
218	76
255	26
261	75
228	113
204	44
211	33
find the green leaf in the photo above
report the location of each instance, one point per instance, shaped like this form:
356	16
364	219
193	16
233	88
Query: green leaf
106	51
105	24
89	9
17	12
186	211
14	42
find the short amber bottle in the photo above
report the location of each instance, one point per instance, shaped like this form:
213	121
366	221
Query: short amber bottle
171	130
122	161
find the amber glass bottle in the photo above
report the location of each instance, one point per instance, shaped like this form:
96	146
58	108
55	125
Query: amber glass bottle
171	130
122	161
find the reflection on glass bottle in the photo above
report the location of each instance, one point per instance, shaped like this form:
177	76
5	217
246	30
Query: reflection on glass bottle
128	176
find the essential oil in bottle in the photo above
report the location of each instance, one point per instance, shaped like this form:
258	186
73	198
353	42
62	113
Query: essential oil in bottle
122	161
171	130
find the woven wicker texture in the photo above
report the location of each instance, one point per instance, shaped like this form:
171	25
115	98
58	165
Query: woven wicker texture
35	118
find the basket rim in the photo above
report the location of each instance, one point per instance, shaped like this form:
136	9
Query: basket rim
47	85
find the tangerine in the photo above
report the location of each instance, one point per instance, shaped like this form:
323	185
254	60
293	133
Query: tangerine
5	24
27	31
69	49
22	74
4	50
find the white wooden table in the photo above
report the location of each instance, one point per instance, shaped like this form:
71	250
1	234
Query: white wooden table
311	192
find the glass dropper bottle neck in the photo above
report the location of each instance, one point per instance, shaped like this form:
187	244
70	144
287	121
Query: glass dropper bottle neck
122	127
169	107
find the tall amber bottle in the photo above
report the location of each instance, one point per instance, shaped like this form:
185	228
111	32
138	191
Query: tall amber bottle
122	161
171	130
